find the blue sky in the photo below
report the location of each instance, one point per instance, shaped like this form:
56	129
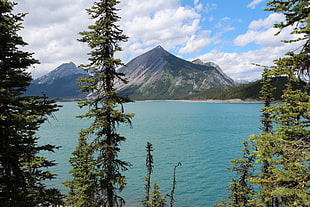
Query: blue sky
231	33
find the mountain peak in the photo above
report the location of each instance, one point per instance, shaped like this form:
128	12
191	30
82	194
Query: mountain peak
64	70
60	82
198	61
66	65
159	47
158	50
210	64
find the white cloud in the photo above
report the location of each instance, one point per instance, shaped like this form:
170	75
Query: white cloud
209	7
267	22
261	32
263	38
51	29
167	27
198	6
223	28
253	4
133	8
197	42
172	19
235	65
240	65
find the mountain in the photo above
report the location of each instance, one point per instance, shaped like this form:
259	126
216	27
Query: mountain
59	83
157	74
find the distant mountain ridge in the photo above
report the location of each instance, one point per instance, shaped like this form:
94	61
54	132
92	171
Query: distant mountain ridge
60	83
157	74
63	71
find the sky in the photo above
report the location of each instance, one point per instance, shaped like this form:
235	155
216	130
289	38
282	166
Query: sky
234	34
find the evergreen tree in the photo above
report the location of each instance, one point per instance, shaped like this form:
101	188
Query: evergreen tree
105	107
267	97
149	166
265	141
241	190
283	152
157	200
22	170
83	186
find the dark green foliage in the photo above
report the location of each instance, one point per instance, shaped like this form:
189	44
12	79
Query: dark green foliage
83	188
101	140
241	189
22	170
246	91
268	97
283	151
211	93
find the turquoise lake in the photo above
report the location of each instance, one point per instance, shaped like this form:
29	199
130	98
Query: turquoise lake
204	137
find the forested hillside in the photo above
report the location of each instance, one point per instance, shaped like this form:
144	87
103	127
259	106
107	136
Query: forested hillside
246	91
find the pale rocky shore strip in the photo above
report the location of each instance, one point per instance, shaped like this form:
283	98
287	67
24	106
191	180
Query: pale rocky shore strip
216	101
206	101
225	101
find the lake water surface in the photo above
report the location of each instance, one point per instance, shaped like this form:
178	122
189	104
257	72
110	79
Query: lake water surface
204	137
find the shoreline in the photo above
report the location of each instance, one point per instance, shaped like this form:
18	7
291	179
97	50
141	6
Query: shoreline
184	100
212	101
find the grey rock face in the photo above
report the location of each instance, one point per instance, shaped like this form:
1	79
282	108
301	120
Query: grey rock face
157	74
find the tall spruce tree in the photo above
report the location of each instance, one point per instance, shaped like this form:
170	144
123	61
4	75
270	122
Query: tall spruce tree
82	188
284	152
105	106
265	142
149	166
22	170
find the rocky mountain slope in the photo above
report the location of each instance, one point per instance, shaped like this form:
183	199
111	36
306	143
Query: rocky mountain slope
157	74
59	83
